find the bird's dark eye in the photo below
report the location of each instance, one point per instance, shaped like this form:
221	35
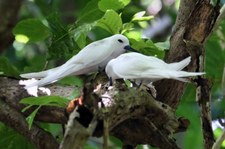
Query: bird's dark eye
121	41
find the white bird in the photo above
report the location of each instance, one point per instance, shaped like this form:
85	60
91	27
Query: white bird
91	58
146	69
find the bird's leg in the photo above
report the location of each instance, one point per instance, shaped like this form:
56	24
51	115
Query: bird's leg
140	84
110	81
152	89
149	87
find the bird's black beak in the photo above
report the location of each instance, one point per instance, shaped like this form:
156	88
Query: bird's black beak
128	48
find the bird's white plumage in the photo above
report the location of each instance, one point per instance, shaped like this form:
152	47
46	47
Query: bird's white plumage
138	66
92	57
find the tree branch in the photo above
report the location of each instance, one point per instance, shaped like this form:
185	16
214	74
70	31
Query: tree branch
195	22
14	119
130	114
11	92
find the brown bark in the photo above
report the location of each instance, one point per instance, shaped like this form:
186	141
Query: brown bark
194	24
8	15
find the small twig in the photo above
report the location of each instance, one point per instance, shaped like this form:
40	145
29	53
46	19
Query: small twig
219	141
204	98
45	66
105	133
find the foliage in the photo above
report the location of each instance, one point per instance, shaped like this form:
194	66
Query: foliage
7	69
42	101
9	139
33	29
44	35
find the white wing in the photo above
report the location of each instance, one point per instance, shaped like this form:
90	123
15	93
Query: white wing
137	66
92	53
86	58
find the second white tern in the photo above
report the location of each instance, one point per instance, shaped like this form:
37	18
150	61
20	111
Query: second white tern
91	58
146	69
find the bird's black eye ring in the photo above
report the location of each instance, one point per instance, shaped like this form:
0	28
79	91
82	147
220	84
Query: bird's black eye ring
121	41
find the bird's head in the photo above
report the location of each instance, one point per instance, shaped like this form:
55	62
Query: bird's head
121	42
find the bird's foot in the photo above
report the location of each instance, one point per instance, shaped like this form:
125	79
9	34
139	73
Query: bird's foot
149	87
152	89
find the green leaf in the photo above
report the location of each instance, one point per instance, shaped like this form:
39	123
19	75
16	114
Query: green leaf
71	80
62	44
127	27
147	47
105	5
111	22
54	129
193	136
90	13
80	33
30	118
140	17
163	45
10	139
46	101
32	30
215	61
7	69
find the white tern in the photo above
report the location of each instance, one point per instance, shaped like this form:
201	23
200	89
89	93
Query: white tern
146	69
91	58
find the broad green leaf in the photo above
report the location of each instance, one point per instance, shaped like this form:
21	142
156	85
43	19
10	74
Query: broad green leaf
163	45
71	80
147	47
10	139
193	136
46	101
140	17
7	69
62	44
30	118
31	30
215	61
111	22
80	33
105	5
127	27
90	13
54	129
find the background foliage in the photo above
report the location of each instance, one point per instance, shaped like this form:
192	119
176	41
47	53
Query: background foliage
50	32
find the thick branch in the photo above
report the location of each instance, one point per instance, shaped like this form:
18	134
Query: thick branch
11	92
132	107
194	23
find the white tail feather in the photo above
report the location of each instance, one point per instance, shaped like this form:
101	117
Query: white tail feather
37	75
169	74
180	65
